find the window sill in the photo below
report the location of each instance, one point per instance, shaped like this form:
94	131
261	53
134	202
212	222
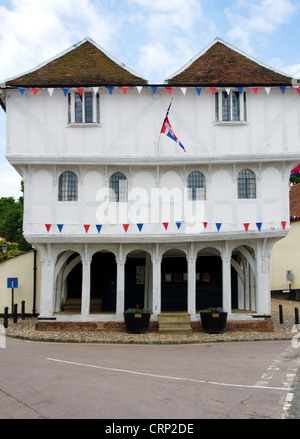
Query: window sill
231	123
83	125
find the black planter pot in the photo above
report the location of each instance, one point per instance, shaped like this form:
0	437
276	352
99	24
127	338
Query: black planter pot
137	323
213	322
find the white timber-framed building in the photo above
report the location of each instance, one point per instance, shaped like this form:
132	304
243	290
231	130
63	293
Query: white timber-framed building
120	214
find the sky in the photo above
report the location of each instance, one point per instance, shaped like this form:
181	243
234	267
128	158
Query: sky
155	38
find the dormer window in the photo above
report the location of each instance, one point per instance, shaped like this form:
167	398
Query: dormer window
84	108
230	106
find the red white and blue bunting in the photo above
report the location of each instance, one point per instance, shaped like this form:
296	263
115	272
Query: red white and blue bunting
154	89
88	228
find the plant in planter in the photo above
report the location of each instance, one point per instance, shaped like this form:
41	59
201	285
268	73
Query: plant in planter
213	320
137	320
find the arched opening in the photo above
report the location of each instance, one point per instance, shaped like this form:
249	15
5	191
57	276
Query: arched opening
68	282
174	277
208	279
243	262
103	283
138	280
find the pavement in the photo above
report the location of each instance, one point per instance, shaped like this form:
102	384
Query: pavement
25	330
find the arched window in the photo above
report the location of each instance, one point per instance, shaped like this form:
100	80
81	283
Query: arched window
119	188
247	184
196	186
68	187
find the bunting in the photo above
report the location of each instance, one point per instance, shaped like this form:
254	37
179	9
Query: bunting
99	227
154	90
87	227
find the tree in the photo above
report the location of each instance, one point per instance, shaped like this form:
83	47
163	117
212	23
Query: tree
11	221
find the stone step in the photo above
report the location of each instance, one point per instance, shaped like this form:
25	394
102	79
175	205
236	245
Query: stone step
175	330
74	305
174	317
174	322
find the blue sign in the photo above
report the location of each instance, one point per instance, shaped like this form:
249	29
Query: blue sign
12	282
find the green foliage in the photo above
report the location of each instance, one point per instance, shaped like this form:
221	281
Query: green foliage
138	310
295	180
11	222
13	249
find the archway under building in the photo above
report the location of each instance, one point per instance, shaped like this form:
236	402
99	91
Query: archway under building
174	281
138	280
103	283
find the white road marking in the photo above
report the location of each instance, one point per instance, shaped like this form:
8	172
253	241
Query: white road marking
170	377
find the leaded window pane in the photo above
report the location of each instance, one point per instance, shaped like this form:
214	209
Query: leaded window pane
247	184
235	105
78	108
88	104
119	188
196	186
68	187
226	106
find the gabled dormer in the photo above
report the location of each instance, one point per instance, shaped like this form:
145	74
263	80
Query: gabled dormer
222	65
85	64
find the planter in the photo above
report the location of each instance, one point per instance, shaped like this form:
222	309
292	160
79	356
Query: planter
137	323
213	322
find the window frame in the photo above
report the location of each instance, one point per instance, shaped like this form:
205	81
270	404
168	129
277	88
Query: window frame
116	193
74	101
246	185
228	109
68	189
192	186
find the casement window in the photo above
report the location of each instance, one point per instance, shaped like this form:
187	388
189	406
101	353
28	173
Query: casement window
118	188
196	186
84	108
68	187
230	106
246	184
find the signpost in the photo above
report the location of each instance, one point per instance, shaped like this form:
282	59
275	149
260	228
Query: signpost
12	282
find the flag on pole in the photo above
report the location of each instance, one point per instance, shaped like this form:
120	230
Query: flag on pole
168	130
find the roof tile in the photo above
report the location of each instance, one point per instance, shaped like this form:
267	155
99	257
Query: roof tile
85	65
220	65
